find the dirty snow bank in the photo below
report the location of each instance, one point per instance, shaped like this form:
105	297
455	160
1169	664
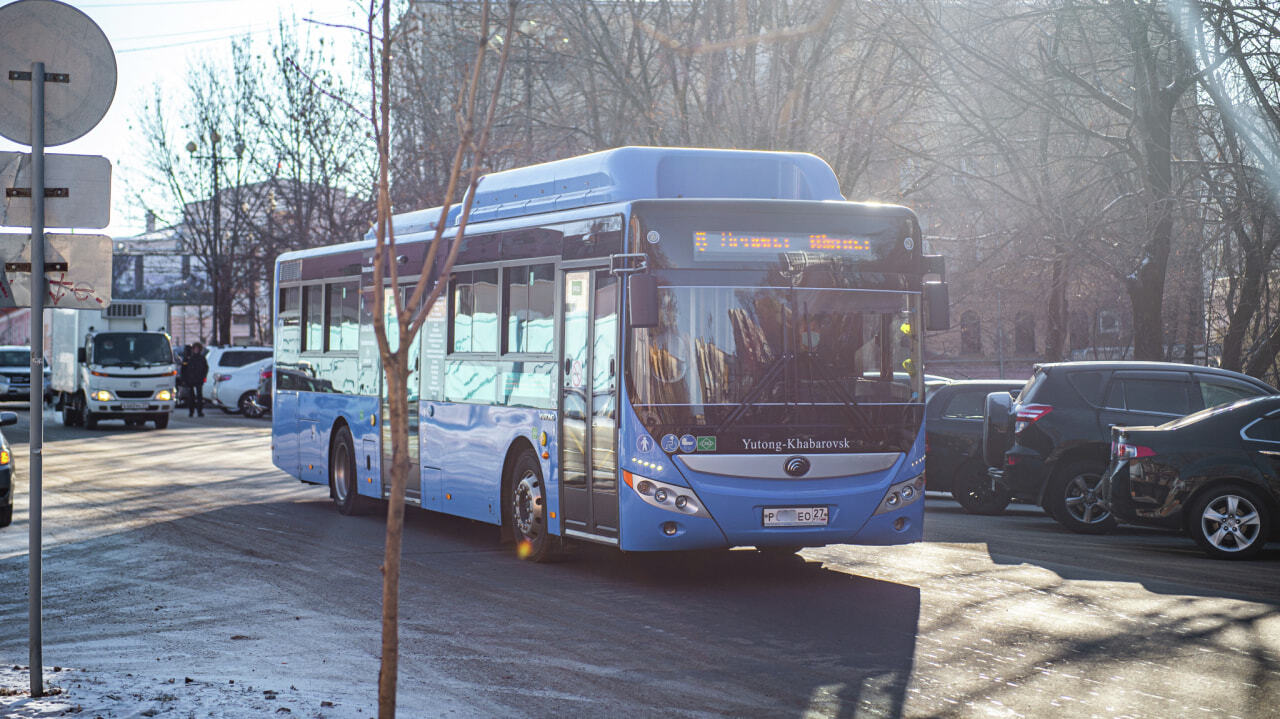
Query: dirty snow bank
93	694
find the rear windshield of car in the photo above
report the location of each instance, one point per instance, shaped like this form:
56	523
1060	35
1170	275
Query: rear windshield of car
1027	393
240	358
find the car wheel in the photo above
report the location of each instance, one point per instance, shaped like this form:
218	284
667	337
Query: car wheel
6	516
973	489
1229	521
162	420
528	510
1073	499
245	403
343	480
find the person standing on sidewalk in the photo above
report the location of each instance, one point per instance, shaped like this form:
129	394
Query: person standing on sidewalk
194	370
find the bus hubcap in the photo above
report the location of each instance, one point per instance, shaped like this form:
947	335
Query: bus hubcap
528	505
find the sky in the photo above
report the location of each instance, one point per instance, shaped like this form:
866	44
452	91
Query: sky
155	42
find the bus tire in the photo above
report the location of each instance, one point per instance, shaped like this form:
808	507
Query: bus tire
343	479
527	509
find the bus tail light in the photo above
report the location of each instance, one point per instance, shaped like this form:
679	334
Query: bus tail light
670	497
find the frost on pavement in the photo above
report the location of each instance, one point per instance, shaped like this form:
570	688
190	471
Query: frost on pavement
89	694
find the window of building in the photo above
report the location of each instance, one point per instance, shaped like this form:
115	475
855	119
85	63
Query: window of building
529	296
313	318
474	325
343	321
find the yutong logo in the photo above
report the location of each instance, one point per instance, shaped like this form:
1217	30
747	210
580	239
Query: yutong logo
793	444
796	466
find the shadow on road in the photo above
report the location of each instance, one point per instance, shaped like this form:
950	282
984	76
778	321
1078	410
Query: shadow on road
1160	560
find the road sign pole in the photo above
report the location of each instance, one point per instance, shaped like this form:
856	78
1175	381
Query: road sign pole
36	414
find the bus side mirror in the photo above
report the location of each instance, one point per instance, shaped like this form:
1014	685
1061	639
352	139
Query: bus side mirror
937	306
642	300
81	356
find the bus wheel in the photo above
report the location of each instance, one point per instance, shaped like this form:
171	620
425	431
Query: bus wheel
342	475
529	510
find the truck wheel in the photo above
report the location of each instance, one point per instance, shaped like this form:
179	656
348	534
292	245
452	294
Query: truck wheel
6	516
90	420
69	418
162	420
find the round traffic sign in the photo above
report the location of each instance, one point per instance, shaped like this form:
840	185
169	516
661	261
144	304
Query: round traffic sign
79	66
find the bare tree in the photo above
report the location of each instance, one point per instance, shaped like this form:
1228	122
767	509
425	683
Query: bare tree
474	118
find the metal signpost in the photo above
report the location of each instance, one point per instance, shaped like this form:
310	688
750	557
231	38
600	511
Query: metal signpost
57	79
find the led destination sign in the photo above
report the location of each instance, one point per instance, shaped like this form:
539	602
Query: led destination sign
724	244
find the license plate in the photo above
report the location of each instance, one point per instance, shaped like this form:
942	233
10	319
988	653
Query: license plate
795	517
134	405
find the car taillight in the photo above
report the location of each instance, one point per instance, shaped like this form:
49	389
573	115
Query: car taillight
1028	414
221	378
266	374
1124	450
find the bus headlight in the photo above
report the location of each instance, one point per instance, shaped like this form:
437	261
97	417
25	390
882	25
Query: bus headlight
164	395
902	494
670	497
101	396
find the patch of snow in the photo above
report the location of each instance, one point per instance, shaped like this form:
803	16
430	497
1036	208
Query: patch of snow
112	695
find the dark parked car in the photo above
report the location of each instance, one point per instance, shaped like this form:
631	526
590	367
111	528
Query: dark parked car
1051	446
6	471
953	433
1214	474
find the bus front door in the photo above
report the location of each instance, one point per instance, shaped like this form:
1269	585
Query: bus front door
588	396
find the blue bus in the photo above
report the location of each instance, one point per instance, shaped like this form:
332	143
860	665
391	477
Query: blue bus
649	348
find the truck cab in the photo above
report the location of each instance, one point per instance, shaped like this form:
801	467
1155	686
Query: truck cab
119	367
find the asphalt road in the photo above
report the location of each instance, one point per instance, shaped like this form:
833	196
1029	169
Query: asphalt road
185	553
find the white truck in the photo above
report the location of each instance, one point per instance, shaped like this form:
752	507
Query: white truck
115	363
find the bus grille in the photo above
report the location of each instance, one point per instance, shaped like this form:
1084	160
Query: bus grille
134	394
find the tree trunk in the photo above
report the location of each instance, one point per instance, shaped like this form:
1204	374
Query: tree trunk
396	373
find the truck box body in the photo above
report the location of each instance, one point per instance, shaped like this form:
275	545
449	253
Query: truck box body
116	363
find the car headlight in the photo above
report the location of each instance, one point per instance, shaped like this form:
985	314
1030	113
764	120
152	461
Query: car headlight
902	494
670	497
4	457
101	396
164	395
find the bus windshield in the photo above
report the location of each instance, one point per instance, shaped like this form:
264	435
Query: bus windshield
131	349
726	356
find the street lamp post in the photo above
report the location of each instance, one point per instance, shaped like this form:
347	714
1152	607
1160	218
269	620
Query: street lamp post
221	304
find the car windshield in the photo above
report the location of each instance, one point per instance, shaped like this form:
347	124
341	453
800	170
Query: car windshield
15	358
131	349
733	357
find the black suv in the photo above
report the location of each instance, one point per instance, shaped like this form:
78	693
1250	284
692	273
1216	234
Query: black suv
1051	446
953	434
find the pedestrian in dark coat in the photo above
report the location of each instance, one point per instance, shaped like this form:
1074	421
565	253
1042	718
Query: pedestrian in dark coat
195	368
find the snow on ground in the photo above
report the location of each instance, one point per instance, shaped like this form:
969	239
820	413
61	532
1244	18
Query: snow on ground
106	695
